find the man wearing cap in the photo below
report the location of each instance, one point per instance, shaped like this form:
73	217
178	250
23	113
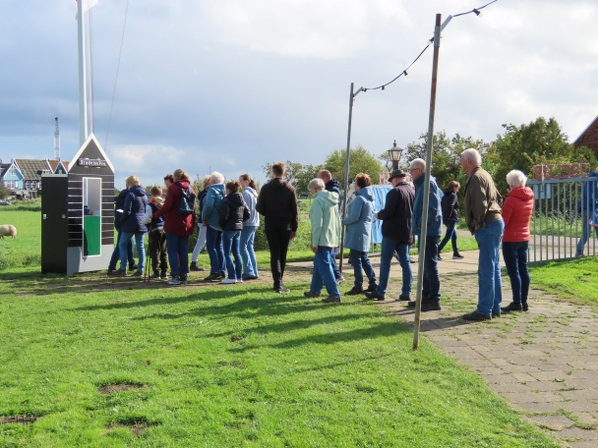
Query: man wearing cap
431	286
396	235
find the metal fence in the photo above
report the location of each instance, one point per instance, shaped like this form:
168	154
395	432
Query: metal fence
559	219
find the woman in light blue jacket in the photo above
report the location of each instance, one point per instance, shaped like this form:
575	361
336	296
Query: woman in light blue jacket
358	234
250	226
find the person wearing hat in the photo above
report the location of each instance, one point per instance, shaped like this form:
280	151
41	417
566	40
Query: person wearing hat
431	286
396	235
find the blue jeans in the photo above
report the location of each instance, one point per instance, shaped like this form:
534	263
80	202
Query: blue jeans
515	255
178	257
231	243
247	252
125	239
431	286
360	261
490	293
214	244
323	273
585	232
388	247
116	252
451	234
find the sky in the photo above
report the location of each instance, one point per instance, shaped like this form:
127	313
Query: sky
231	85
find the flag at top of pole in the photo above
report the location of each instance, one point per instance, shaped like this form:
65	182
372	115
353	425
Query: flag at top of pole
88	4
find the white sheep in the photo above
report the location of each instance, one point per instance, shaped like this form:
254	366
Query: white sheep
8	230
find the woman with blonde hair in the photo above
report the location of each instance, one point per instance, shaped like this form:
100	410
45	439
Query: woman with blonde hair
178	227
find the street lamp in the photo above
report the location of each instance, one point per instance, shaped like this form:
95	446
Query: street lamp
395	154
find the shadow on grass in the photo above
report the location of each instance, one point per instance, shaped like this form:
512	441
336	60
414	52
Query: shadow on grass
428	321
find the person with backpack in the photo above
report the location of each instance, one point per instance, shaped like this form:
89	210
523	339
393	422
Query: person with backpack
119	204
179	213
211	206
233	211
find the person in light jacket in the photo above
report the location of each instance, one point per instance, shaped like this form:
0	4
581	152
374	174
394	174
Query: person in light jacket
516	213
210	215
359	232
325	235
250	226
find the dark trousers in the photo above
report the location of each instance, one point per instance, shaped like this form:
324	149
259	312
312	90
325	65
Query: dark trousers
515	256
157	250
278	233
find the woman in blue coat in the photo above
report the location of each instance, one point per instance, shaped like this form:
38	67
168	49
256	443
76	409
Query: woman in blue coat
358	233
132	225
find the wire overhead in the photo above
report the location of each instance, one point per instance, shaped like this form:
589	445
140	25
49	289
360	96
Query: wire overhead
476	11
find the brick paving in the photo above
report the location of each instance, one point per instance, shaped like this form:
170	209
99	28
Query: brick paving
543	362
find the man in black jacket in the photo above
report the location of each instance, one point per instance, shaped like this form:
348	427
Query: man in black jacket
396	235
277	202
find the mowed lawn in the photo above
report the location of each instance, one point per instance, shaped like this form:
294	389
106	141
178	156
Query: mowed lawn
90	361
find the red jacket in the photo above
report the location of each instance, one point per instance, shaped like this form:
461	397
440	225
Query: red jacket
174	222
516	212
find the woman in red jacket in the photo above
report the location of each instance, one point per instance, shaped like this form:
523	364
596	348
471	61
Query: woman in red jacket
178	227
516	213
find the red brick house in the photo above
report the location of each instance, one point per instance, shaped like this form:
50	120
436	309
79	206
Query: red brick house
589	137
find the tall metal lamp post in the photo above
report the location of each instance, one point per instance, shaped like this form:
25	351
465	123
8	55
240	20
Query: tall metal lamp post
395	154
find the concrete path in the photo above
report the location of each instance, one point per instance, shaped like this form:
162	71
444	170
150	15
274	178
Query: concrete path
543	362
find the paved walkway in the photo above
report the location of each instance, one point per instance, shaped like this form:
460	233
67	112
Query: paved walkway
543	362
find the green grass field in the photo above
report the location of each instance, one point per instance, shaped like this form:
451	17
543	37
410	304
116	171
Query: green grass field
104	362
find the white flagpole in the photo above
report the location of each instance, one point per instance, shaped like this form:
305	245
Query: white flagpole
83	133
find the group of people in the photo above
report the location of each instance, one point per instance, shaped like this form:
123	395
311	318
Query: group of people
227	225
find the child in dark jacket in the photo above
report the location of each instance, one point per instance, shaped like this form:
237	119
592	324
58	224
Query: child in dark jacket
233	212
157	237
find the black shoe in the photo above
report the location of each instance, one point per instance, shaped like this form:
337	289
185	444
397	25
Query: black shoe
138	274
221	275
404	298
524	306
411	303
439	257
163	275
332	299
355	291
374	295
183	279
431	305
372	287
311	294
512	307
118	272
495	314
458	256
132	267
111	270
155	276
212	278
195	267
475	316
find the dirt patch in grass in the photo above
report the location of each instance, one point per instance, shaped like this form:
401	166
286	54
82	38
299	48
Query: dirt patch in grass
20	419
111	388
137	429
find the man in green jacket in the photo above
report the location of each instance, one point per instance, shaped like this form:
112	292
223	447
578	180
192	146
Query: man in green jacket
325	231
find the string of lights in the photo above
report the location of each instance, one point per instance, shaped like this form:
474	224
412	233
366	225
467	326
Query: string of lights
476	11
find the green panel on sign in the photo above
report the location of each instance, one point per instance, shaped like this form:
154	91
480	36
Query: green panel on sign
91	231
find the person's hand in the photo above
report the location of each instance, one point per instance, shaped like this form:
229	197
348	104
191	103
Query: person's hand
293	235
152	216
315	249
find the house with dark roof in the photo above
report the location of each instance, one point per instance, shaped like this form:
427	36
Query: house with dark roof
23	176
11	176
589	137
59	166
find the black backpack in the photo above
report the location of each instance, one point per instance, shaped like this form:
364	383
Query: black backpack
187	204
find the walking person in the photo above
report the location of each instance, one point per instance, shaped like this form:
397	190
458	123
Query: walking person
178	227
589	200
132	225
202	230
232	213
431	286
484	221
250	226
396	235
277	202
210	215
325	235
450	217
359	232
516	213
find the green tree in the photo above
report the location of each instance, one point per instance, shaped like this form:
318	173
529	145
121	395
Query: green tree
3	191
360	161
446	155
539	142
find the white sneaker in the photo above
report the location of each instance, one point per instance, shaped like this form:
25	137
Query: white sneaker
228	281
